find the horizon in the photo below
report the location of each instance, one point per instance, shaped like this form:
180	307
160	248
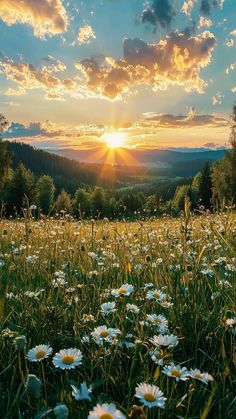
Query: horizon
164	78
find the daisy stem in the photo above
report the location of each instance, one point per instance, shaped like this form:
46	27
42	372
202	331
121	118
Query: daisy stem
44	381
20	368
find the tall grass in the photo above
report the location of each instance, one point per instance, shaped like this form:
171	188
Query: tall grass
192	260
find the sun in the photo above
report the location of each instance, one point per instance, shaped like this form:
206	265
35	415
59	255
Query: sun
114	139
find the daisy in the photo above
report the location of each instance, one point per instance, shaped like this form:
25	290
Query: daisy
231	323
67	359
156	295
176	371
107	308
148	285
159	321
201	376
88	318
105	411
150	395
82	393
38	353
103	334
166	341
125	289
133	308
157	356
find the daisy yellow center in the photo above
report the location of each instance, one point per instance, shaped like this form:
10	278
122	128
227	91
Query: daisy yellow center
40	354
104	334
122	291
197	375
156	294
106	416
158	321
68	359
176	373
149	397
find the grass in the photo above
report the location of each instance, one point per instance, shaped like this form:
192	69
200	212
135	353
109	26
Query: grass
192	260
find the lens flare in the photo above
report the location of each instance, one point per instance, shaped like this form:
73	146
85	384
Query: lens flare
114	139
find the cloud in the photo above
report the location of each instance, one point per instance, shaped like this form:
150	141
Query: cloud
233	33
207	5
33	129
175	60
86	35
217	99
188	7
49	130
20	91
233	89
184	121
204	22
160	12
28	77
229	43
153	131
215	146
231	67
47	17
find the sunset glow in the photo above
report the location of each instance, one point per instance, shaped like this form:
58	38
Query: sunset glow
166	82
115	139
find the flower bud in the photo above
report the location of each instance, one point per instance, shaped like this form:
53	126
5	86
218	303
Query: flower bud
61	411
33	385
20	343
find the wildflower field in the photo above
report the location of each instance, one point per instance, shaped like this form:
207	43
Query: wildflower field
115	320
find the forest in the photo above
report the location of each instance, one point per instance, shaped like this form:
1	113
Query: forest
55	185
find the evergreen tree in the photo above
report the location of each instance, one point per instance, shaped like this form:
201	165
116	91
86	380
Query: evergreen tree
45	193
98	200
82	203
224	171
205	187
224	178
5	155
21	188
233	129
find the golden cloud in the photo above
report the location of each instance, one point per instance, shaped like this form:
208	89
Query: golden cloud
175	60
86	35
188	7
47	17
192	119
28	77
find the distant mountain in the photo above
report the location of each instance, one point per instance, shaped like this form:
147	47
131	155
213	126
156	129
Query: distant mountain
74	168
140	157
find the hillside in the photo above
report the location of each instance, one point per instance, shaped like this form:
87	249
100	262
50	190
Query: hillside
141	156
69	173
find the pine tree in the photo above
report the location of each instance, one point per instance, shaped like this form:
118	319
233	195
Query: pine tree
5	155
224	171
21	188
45	193
233	129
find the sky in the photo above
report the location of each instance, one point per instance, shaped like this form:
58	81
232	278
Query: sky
85	74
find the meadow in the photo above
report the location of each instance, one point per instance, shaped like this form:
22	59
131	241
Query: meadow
114	320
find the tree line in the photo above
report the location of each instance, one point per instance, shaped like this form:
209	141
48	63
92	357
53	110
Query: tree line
215	184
